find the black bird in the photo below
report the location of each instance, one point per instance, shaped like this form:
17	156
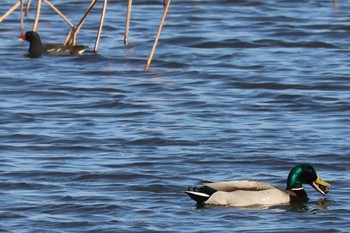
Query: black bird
36	48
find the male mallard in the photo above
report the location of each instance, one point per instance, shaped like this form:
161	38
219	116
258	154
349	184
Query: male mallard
247	193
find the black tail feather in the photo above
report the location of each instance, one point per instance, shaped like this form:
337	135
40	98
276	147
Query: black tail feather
201	194
202	189
198	197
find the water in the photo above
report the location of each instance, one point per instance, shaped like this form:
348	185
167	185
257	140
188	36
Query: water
236	90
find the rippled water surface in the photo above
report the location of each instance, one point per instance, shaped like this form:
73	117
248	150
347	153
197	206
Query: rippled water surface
236	90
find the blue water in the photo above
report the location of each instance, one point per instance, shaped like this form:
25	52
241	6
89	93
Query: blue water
236	90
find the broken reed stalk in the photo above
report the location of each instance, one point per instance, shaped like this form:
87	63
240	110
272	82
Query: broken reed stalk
127	22
21	17
28	7
72	35
101	25
12	9
59	13
36	21
158	35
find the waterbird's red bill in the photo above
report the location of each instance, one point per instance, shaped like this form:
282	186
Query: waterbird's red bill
23	37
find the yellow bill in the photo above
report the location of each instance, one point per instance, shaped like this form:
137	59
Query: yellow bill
321	186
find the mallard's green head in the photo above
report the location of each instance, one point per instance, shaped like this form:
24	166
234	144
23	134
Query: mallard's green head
306	174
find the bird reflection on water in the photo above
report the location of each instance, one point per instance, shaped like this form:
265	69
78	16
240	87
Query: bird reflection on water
300	207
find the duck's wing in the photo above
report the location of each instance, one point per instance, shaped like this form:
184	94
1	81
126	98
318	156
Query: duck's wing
247	185
77	49
61	50
242	198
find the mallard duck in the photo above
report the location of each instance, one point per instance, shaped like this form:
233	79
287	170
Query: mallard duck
36	48
249	193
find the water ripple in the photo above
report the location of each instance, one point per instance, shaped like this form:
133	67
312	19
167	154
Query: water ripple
236	90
